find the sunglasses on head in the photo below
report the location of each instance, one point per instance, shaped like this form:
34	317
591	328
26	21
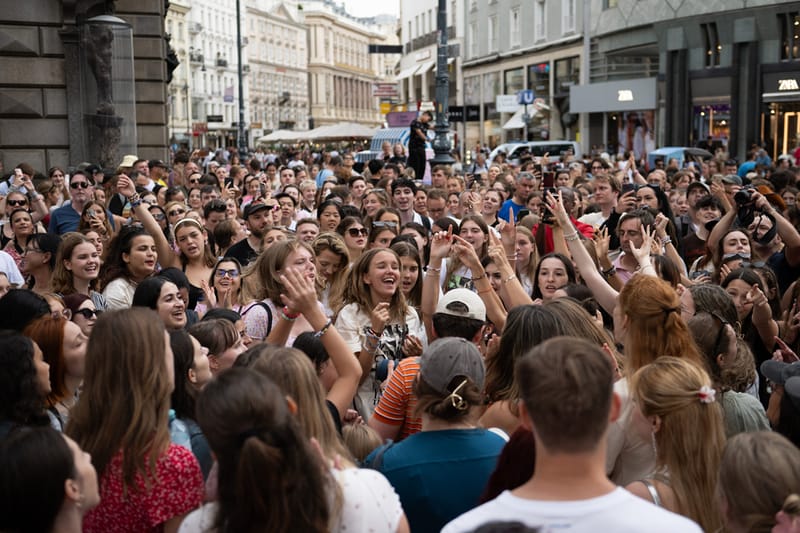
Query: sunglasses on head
81	184
355	232
384	224
88	313
17	202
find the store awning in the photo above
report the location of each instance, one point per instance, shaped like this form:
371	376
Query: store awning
785	96
425	67
408	72
516	122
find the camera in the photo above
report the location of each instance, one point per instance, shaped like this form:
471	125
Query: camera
744	200
744	197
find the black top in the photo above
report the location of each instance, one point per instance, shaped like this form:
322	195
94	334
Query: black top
242	252
415	142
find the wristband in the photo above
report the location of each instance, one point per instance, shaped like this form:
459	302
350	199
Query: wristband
610	272
136	203
286	315
572	237
666	240
509	278
324	329
431	269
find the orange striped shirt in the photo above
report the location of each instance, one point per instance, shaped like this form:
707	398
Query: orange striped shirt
397	403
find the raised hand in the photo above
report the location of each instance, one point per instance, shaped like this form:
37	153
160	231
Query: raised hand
125	186
602	241
555	204
784	353
466	253
380	317
441	243
643	253
300	295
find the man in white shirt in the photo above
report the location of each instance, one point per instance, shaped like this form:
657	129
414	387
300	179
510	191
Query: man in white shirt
568	400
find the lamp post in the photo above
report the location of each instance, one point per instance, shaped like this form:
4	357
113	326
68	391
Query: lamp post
441	143
187	99
242	141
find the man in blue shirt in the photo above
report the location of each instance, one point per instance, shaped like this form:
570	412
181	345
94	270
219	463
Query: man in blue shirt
67	217
524	188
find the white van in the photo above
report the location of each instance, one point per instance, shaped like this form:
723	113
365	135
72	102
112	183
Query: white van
556	149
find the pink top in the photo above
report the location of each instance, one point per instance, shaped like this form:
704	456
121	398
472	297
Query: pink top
179	489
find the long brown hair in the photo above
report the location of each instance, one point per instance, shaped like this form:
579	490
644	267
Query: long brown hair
269	263
125	402
670	388
48	333
62	281
454	263
358	292
655	326
270	479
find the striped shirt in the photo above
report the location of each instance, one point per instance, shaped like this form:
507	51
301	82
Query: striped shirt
397	404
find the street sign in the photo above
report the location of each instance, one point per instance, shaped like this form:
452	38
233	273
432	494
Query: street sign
525	97
539	104
506	103
385	90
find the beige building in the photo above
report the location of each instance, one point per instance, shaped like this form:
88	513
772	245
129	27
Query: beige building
341	71
180	88
277	63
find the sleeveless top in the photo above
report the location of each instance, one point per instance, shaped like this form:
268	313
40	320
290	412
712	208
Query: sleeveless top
651	488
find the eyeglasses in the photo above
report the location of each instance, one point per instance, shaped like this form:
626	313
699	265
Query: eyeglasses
355	232
232	273
64	313
176	212
17	202
31	251
194	181
158	216
148	201
81	184
384	224
89	313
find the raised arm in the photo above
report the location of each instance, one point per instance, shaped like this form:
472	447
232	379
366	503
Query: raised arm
512	293
166	255
495	311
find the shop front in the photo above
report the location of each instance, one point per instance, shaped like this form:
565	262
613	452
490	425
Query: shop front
711	112
624	112
780	111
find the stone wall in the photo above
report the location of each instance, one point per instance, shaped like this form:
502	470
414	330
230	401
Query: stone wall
34	111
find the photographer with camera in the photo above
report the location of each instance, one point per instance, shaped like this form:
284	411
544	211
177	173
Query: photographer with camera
775	239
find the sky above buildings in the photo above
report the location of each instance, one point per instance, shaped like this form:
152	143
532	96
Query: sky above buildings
368	8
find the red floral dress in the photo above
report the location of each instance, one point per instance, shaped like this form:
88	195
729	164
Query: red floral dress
179	490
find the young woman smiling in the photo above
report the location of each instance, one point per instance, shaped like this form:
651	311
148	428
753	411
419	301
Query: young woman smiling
131	259
23	228
77	269
376	322
163	297
355	236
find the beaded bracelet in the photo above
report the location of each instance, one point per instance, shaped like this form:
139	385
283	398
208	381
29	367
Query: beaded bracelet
572	237
324	329
509	278
431	269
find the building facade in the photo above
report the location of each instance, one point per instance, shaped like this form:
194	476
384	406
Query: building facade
341	71
180	89
513	45
277	61
724	73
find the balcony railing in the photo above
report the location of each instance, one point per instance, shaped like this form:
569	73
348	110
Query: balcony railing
222	63
195	27
194	57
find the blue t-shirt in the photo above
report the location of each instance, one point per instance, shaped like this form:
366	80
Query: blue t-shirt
66	219
503	213
440	475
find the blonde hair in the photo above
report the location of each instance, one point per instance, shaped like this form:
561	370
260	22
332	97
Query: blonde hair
670	388
61	281
360	440
334	243
759	469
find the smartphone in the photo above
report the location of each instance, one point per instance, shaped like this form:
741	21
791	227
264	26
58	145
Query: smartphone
522	214
92	213
628	187
228	182
548	180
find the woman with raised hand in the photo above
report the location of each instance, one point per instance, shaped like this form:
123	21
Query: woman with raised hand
48	483
671	395
146	483
194	256
376	322
270	475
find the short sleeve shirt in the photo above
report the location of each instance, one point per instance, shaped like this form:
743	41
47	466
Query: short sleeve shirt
178	490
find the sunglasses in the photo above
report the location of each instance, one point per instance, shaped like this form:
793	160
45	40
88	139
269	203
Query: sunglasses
384	224
158	216
77	184
232	273
17	202
176	212
194	181
88	313
355	232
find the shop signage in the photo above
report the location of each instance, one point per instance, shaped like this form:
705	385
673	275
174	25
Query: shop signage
214	118
788	85
385	90
624	95
506	103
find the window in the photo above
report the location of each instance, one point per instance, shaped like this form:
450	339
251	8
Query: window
790	32
492	33
422	22
514	27
568	16
711	43
538	20
432	22
416	23
608	4
473	39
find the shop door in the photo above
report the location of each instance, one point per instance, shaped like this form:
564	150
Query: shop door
780	128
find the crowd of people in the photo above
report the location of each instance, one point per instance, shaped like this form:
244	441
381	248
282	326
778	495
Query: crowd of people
299	342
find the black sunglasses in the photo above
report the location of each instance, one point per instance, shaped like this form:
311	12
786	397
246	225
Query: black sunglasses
355	232
176	212
17	202
88	313
81	184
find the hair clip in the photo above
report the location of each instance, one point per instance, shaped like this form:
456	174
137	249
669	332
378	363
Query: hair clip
456	399
706	394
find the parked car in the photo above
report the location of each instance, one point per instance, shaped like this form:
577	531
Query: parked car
556	150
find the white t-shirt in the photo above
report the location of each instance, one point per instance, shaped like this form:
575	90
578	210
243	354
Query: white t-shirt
369	503
618	511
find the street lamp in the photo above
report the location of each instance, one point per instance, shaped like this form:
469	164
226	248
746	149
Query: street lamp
242	141
441	143
188	100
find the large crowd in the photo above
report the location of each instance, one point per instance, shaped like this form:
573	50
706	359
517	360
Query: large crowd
299	342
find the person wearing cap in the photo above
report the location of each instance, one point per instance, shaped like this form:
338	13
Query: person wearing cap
159	172
257	219
459	313
784	403
440	472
